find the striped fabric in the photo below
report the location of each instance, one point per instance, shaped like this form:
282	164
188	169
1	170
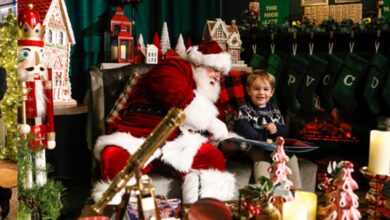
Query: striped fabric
122	99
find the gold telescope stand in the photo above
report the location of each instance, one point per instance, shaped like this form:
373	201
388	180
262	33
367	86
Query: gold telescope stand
158	136
146	200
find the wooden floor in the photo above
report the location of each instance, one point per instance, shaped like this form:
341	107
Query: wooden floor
8	175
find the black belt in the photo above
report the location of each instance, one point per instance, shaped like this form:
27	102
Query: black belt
204	133
145	109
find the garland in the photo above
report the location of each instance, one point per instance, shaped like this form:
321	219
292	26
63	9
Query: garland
44	200
13	96
246	22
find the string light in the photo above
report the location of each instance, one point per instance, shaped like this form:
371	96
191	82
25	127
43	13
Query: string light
12	98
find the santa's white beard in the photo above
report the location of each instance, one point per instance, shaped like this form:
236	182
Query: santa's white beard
205	84
40	99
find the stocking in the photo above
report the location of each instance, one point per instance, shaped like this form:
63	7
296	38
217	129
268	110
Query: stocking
306	92
386	90
351	76
297	67
375	79
257	62
275	67
327	81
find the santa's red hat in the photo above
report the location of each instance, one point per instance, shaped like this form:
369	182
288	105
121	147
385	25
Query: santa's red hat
210	54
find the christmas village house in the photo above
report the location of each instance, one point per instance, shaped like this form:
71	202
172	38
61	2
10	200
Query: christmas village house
227	36
58	39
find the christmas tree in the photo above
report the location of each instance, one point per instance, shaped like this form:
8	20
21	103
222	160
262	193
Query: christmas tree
180	48
157	43
165	43
279	170
141	45
343	202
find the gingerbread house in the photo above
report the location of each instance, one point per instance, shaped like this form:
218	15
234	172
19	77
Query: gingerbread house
58	41
227	36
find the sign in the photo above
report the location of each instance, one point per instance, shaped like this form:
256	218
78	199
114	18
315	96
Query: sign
386	8
274	11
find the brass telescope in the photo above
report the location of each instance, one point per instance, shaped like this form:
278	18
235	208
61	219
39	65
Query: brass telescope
155	139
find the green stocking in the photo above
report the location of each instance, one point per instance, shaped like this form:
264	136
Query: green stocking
257	62
306	92
297	67
326	84
275	67
374	82
350	78
386	90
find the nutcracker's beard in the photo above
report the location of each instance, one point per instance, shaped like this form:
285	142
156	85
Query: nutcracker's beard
40	99
205	84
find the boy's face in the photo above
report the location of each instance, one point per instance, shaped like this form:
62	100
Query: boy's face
260	92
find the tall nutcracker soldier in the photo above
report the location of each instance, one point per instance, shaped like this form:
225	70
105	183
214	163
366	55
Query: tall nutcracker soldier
36	113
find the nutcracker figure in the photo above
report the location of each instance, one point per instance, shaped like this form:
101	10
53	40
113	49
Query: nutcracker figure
36	112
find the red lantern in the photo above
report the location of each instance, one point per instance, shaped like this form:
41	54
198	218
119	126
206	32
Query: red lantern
121	38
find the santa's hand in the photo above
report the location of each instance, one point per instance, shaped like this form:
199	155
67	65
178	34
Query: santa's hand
218	129
51	145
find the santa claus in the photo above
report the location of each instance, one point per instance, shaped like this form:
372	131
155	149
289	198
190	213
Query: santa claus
37	113
191	84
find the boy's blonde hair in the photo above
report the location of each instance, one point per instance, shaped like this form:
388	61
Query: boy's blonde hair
261	74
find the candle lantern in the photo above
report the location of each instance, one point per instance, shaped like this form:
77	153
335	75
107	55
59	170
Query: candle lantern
121	38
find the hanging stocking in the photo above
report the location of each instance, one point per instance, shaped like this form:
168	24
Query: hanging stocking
326	84
296	71
306	92
257	61
350	78
275	66
386	90
374	82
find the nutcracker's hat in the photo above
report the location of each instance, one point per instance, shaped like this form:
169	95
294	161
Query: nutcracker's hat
31	30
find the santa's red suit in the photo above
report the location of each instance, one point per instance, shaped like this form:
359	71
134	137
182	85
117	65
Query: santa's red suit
185	85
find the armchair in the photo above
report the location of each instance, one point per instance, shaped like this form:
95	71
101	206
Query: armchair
106	85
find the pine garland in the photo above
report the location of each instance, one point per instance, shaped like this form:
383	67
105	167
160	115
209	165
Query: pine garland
45	199
307	25
13	96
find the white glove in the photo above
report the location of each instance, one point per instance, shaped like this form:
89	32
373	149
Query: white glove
218	129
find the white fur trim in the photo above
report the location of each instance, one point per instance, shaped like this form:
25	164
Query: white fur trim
213	183
220	61
125	141
218	129
200	112
180	152
101	186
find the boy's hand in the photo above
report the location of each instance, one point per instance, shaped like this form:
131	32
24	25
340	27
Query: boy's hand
271	127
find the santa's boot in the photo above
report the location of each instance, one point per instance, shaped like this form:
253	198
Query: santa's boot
212	183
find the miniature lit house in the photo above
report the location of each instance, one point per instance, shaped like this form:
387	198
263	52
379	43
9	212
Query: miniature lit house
227	36
151	54
121	39
58	41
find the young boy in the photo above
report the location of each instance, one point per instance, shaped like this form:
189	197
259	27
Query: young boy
261	120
